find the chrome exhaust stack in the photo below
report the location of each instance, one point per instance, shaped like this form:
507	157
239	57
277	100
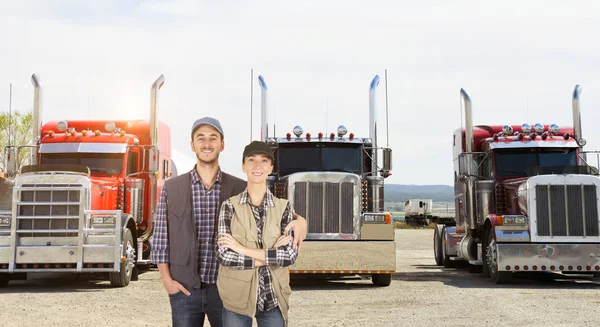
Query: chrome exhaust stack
468	121
153	157
264	124
160	81
471	219
577	115
373	121
36	123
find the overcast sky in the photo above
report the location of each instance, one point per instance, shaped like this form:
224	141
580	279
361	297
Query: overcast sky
518	60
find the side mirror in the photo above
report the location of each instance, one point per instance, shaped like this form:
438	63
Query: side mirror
467	164
387	160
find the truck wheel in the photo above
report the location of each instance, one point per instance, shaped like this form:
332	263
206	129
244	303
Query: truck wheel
4	279
437	245
445	257
491	262
123	277
382	279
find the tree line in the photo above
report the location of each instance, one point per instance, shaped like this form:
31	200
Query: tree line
15	130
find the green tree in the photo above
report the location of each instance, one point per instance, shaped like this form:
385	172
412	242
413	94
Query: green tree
19	127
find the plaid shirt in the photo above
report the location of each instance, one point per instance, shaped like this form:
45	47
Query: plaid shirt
205	201
282	256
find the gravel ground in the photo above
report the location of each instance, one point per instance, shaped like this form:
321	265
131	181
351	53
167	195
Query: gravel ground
421	294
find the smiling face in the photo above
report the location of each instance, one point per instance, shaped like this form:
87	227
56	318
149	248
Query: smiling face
207	143
257	167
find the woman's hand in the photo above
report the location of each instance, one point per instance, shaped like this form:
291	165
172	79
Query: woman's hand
228	242
282	241
300	227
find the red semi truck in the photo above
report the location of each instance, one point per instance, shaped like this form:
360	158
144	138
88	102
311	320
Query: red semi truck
86	202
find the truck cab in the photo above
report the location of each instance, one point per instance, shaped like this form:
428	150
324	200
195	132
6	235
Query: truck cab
86	201
336	182
525	200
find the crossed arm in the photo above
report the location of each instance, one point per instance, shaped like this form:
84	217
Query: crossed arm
231	253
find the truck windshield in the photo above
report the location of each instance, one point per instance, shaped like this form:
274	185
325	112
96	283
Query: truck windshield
99	163
293	158
534	161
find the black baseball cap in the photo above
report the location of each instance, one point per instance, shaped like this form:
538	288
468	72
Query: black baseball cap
208	121
257	147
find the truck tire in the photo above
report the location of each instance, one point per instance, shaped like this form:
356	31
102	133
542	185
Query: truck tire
4	279
382	279
490	261
437	245
123	277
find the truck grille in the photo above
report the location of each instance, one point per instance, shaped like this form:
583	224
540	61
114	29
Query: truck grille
327	207
566	210
45	210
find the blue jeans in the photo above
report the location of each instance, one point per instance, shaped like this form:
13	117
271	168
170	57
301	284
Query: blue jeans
271	318
187	311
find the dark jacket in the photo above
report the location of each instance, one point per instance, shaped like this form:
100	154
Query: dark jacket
183	257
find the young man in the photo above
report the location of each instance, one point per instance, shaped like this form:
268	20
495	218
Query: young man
185	229
253	248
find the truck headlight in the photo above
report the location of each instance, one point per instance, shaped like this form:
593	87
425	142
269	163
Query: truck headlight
514	221
5	220
373	218
103	220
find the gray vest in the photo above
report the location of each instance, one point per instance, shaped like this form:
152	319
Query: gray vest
183	257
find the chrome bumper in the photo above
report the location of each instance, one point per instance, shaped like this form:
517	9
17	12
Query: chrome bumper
92	250
550	257
346	257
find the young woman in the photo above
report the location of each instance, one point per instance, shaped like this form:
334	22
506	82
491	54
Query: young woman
252	250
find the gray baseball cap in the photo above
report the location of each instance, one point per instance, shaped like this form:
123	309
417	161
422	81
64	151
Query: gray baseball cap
208	121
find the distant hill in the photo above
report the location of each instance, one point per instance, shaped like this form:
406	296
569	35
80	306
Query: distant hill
402	193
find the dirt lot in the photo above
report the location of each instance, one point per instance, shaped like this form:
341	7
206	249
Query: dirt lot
421	294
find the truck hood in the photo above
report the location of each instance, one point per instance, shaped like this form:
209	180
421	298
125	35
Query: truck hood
104	193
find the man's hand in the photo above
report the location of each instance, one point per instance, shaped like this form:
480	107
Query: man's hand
227	241
172	286
282	240
299	226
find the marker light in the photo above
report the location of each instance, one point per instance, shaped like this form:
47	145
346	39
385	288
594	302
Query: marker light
298	131
566	136
96	132
62	126
526	128
331	136
538	128
320	135
308	136
507	130
554	129
110	126
342	130
351	136
288	136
